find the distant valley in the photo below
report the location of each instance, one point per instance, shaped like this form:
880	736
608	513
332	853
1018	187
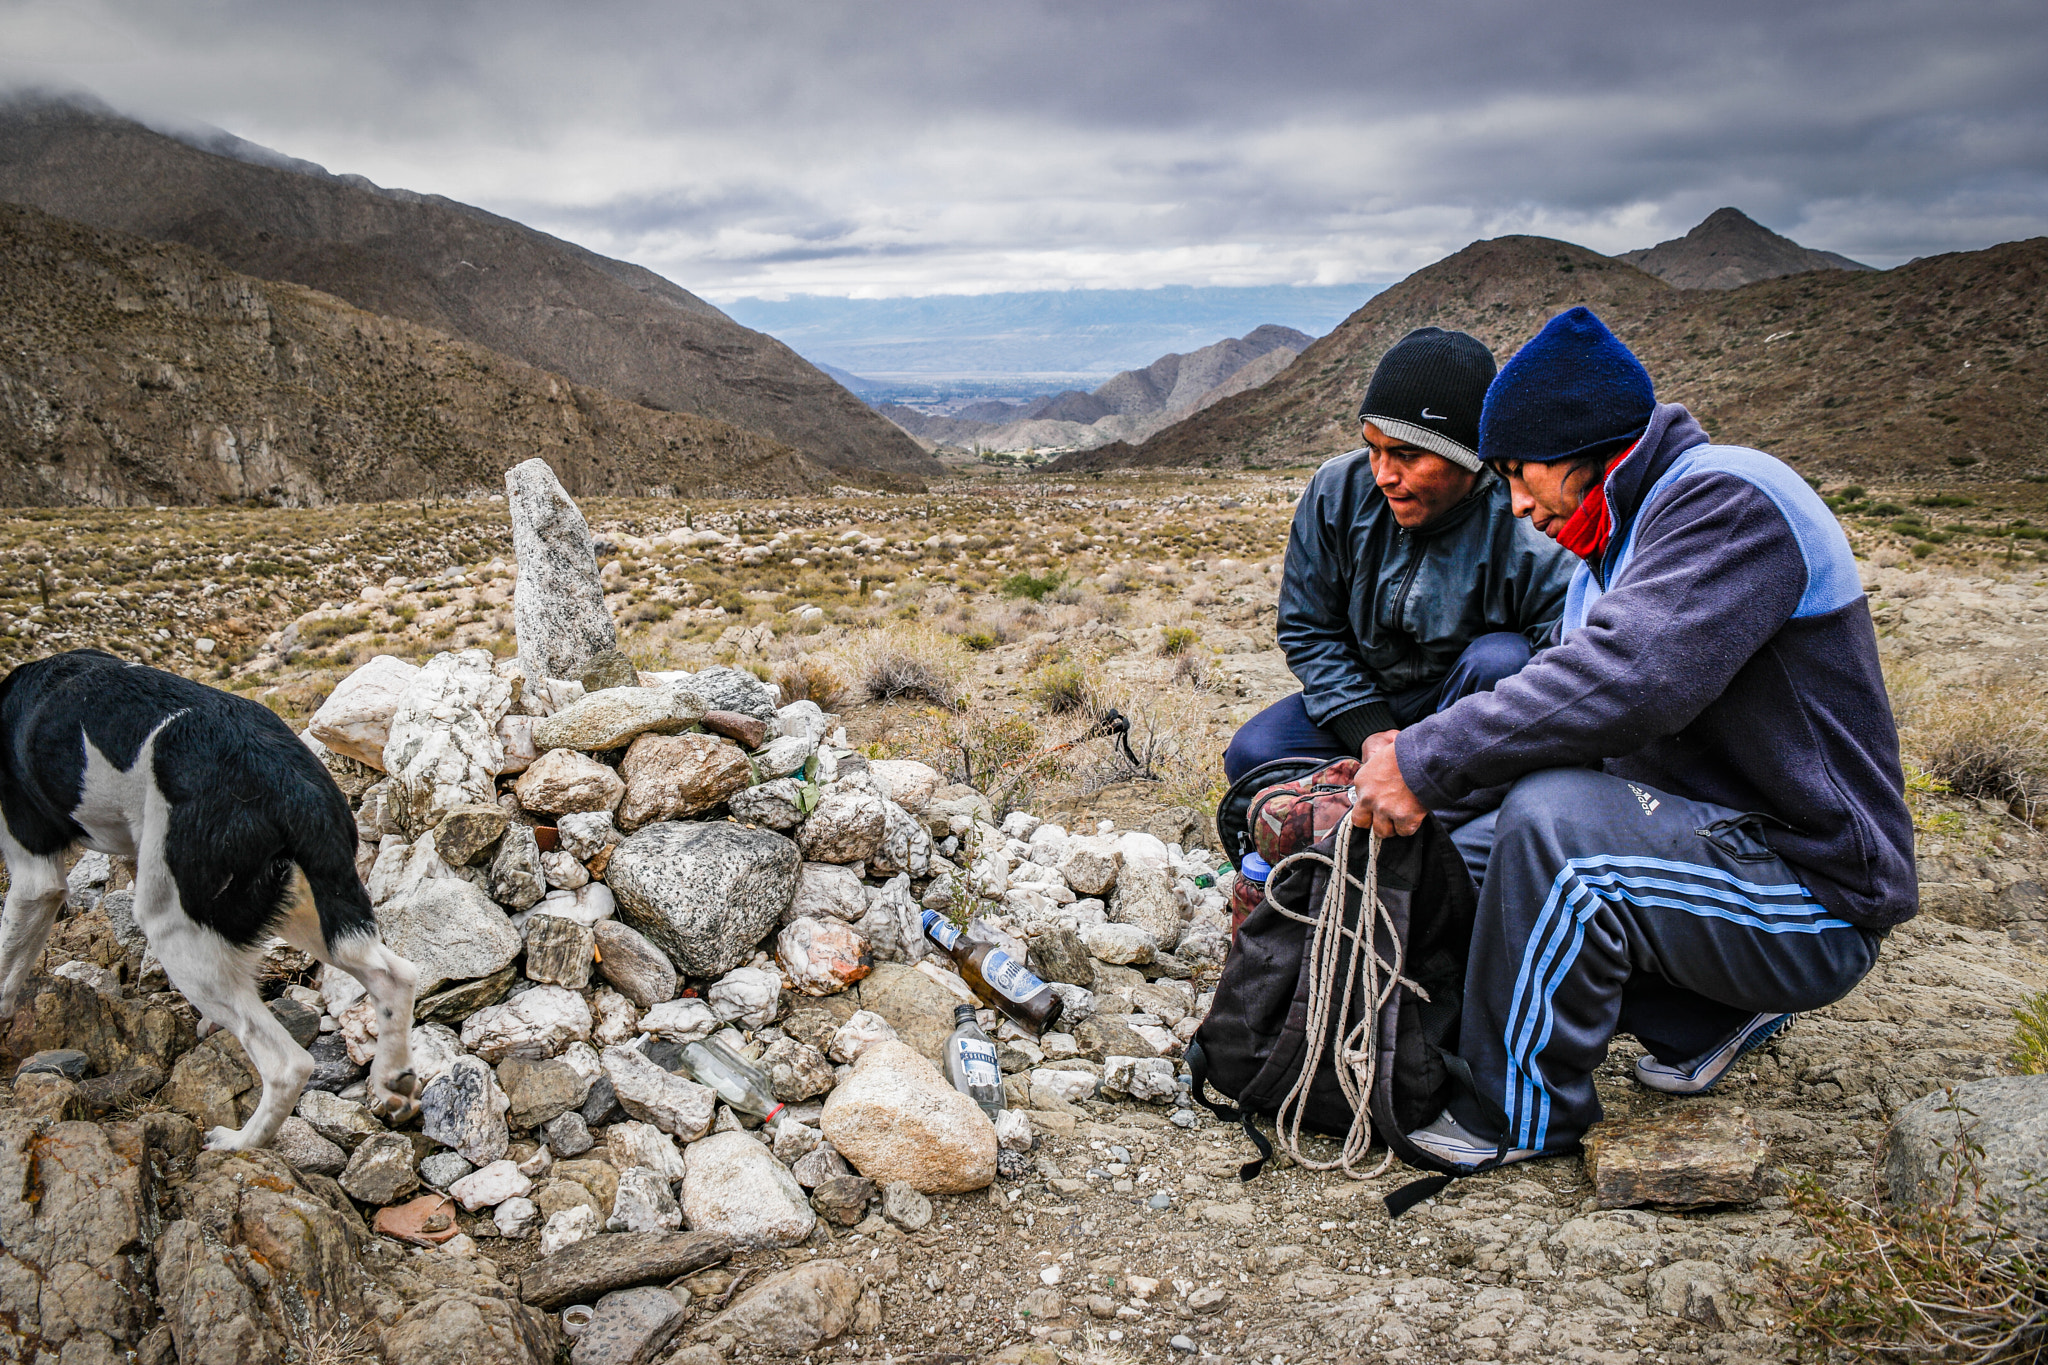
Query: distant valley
1129	407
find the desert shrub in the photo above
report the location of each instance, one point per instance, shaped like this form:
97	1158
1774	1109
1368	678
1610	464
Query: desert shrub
1035	588
1192	668
648	611
915	664
811	677
1947	1280
317	633
1176	640
2030	1036
980	638
1061	687
1987	741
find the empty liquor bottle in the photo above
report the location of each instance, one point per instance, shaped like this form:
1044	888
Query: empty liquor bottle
1000	980
971	1063
738	1082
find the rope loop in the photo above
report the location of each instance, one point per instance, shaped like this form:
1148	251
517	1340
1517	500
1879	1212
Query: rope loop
1354	1043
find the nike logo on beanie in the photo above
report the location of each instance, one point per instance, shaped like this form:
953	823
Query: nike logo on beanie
1433	417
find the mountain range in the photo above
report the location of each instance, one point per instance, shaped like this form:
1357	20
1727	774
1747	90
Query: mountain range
596	323
1931	368
1129	407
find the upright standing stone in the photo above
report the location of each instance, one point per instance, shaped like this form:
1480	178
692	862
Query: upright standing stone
558	605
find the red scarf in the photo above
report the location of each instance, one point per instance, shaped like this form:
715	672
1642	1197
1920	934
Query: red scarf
1585	532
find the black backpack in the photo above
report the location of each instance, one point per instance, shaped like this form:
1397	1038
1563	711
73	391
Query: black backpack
1251	1045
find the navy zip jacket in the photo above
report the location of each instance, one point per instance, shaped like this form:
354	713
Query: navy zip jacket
1720	650
1369	609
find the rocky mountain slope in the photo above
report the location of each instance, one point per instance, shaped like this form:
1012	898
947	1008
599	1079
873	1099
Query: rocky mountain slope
1729	249
444	265
1128	407
1928	370
136	372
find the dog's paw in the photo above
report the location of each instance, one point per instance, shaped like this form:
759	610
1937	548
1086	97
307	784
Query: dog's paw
399	1100
226	1140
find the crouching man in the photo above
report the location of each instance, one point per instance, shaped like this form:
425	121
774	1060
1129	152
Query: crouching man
1707	829
1408	583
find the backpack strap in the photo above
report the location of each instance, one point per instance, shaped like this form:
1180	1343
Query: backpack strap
1415	1191
1198	1070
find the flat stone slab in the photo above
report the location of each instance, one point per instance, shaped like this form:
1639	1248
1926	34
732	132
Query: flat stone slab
1680	1155
582	1271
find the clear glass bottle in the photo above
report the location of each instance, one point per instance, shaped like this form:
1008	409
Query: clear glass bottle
999	980
740	1083
971	1063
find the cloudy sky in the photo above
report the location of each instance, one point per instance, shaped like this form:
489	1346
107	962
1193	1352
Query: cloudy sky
762	147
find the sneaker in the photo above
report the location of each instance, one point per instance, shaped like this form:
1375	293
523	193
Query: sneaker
1701	1073
1450	1141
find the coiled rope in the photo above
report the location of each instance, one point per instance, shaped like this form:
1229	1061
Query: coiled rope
1354	1042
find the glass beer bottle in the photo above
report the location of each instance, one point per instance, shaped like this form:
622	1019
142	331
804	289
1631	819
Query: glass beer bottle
1000	980
971	1063
738	1082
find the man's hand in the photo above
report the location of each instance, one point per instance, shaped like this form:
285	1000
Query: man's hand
1383	800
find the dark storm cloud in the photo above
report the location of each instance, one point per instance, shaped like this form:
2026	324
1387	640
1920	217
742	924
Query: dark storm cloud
931	146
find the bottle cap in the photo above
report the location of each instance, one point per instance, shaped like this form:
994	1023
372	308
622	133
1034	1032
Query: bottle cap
963	1014
1255	867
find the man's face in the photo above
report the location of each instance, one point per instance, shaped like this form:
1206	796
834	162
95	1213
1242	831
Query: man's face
1547	494
1419	484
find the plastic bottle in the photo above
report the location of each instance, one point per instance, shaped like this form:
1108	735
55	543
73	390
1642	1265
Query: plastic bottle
998	979
1249	889
738	1082
971	1063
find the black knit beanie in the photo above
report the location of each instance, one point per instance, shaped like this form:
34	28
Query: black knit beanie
1428	390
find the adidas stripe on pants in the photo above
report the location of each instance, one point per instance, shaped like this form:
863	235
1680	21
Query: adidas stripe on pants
1609	907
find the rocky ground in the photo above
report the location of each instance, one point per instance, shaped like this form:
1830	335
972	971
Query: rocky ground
1115	1228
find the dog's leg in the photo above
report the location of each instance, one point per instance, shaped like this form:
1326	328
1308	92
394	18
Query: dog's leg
390	981
219	980
35	892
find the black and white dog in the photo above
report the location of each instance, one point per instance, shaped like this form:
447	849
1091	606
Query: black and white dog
237	833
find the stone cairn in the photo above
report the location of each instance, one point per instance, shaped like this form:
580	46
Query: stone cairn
593	866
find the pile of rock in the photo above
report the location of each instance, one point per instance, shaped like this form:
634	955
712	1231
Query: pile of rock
591	873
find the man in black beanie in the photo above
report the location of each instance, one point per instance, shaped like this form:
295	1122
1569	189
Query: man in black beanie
1409	583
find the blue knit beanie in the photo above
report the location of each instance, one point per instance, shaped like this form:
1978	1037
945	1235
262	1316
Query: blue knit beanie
1572	390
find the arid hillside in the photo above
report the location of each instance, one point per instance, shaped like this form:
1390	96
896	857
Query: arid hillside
1918	373
448	266
135	372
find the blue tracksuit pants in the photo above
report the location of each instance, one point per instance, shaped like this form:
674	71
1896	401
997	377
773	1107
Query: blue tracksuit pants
1608	907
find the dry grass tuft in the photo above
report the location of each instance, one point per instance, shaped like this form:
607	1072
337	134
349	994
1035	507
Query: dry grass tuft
2030	1037
917	663
1989	741
811	677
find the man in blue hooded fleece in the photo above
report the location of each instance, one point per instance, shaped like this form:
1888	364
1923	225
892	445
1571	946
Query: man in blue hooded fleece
1706	830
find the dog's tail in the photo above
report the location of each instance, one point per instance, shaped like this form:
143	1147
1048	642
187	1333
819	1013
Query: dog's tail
324	850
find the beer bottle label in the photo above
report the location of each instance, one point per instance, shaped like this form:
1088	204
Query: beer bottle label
940	930
1009	978
978	1063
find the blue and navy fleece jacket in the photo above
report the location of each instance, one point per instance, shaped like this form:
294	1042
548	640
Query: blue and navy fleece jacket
1721	650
